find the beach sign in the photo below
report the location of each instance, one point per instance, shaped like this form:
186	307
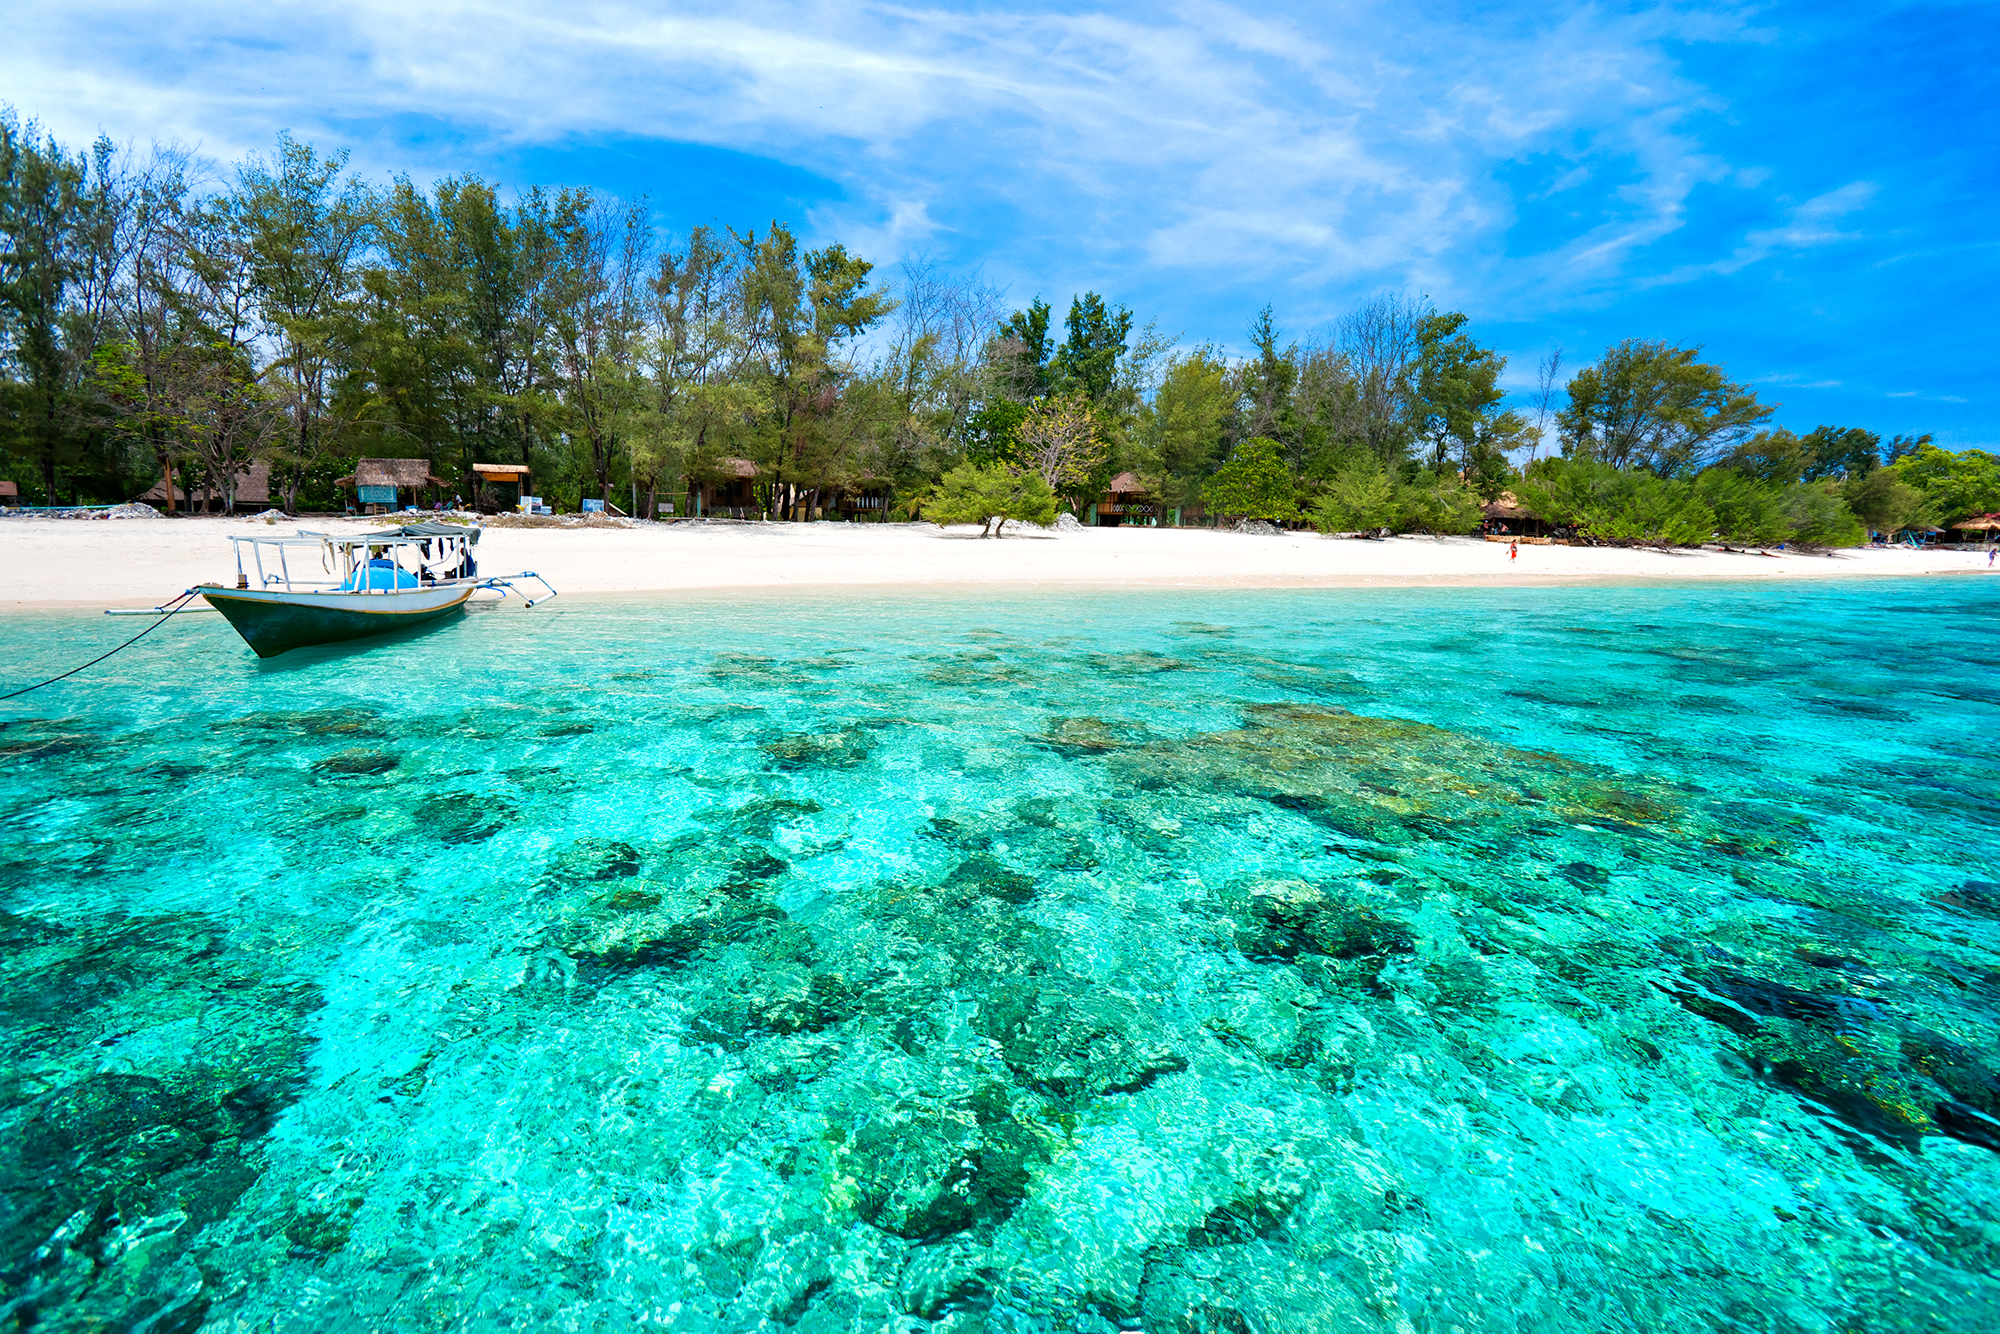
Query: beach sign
377	495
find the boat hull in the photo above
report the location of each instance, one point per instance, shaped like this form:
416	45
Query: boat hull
272	623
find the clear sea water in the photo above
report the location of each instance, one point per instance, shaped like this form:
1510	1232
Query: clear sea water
1424	960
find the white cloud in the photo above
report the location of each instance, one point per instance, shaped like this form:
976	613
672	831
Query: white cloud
1355	147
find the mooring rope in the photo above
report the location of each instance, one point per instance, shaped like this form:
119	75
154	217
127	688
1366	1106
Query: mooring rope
171	609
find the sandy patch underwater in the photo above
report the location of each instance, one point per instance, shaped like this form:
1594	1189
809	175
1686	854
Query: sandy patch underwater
1556	959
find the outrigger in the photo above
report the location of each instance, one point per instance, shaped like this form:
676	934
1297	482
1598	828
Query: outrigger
366	585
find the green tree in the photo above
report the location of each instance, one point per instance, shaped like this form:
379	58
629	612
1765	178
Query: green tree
297	234
1747	509
989	494
1253	484
1189	420
1456	402
1615	505
1649	405
1088	358
1819	518
1883	500
1361	497
1953	484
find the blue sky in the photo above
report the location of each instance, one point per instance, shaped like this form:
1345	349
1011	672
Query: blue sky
1809	191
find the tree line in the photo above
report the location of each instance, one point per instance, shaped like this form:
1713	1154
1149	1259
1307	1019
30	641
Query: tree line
160	319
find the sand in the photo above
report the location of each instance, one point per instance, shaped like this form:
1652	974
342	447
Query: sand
139	562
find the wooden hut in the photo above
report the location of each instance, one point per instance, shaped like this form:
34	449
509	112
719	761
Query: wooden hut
1506	517
1125	500
515	475
253	488
379	484
10	494
729	492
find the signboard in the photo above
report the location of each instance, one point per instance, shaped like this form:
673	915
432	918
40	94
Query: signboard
377	495
593	507
529	504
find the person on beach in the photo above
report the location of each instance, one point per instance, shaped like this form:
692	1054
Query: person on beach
1514	550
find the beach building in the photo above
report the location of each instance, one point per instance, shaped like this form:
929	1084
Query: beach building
10	494
253	488
1126	500
518	476
1507	517
729	494
379	484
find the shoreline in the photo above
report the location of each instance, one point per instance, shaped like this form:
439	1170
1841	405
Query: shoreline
63	564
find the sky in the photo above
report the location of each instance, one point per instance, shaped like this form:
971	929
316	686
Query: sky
1808	191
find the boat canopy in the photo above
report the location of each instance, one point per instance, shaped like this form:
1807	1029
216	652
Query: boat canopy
421	530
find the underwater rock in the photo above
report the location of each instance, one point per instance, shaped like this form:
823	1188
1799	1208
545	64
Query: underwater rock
761	817
1141	663
988	878
1087	736
779	995
89	1154
1288	918
358	763
976	668
841	749
943	1276
463	817
1978	897
926	1175
1880	1075
348	721
1081	1043
567	729
1388	779
588	860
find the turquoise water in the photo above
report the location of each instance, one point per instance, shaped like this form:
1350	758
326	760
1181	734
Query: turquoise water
1550	959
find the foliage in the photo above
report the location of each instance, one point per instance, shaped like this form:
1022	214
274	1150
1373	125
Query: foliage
1885	502
1818	517
1456	404
1746	509
1361	497
1253	484
988	494
1616	505
1190	419
1825	452
1057	440
1649	405
1953	485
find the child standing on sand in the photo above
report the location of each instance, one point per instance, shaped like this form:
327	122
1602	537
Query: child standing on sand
1514	551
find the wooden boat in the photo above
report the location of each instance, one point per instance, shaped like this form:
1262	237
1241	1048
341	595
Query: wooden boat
373	583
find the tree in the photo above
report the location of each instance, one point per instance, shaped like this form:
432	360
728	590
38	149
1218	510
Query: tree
1883	500
1253	484
1360	498
1614	505
60	234
1190	416
594	317
1648	405
297	235
1953	485
988	494
1087	361
1057	440
1747	509
1455	405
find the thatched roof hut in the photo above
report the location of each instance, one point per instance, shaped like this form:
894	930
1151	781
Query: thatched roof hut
392	472
1127	484
9	493
253	487
1509	509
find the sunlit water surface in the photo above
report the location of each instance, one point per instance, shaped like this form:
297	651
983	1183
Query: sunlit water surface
1551	959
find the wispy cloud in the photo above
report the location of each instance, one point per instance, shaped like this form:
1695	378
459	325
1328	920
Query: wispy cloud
1353	147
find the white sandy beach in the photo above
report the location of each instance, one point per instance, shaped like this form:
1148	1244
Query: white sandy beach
138	562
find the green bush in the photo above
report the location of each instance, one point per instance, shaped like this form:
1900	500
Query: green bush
1747	509
1253	484
971	493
